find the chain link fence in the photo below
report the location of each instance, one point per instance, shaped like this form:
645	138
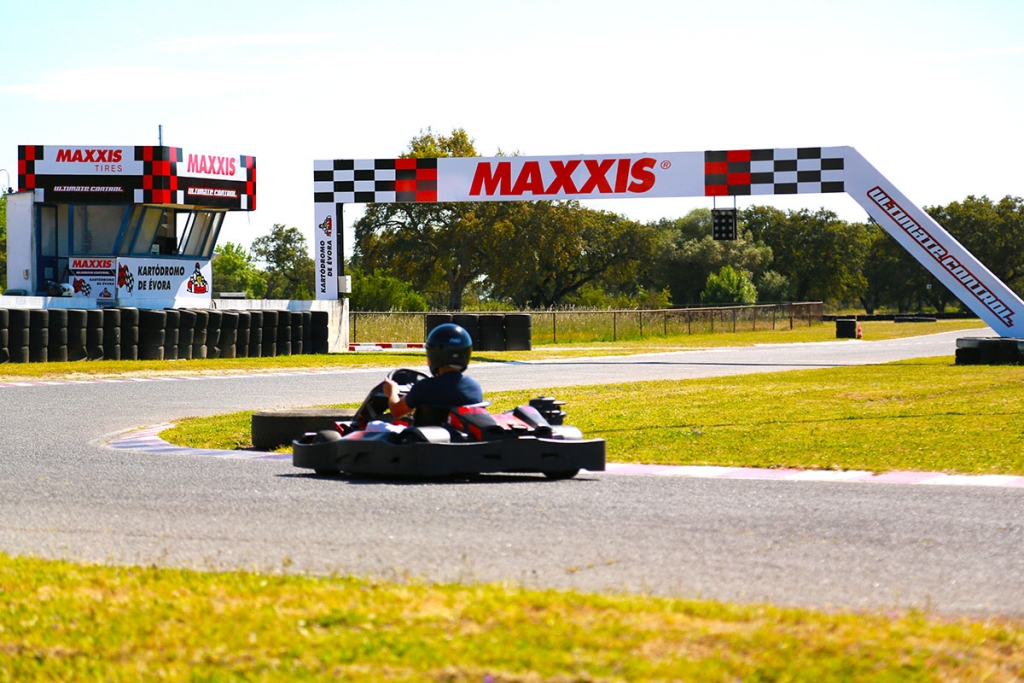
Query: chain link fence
571	326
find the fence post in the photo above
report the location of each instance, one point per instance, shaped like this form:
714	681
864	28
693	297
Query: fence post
664	320
554	328
615	318
641	324
735	315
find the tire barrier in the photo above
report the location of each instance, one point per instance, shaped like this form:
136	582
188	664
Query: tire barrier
470	322
129	333
492	333
989	351
432	320
199	329
77	333
242	334
57	346
275	428
213	323
284	333
319	335
518	332
269	334
94	318
228	334
112	334
126	333
172	334
152	334
39	335
186	333
18	335
255	334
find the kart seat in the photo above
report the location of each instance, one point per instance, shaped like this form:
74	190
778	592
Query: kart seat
431	416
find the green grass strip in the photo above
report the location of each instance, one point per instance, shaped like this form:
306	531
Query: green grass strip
61	622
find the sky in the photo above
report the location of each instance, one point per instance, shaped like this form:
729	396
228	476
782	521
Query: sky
931	92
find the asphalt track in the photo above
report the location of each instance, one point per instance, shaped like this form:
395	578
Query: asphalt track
64	493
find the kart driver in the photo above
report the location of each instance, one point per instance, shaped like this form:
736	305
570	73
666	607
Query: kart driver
449	348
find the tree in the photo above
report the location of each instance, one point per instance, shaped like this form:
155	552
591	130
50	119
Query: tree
688	255
437	248
729	286
381	291
551	250
234	270
290	271
992	231
821	255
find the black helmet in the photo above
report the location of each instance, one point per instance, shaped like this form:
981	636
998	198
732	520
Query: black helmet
448	345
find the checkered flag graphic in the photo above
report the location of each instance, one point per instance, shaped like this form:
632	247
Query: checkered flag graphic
773	171
348	181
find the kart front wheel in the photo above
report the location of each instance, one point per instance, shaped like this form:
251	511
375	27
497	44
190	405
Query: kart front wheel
562	474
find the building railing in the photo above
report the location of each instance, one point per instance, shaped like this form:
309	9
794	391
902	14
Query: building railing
575	326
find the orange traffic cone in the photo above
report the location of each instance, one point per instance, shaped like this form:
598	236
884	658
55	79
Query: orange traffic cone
858	331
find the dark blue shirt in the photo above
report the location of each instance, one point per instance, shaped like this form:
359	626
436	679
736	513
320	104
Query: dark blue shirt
450	389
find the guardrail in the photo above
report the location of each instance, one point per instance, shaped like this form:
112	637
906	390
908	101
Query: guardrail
573	326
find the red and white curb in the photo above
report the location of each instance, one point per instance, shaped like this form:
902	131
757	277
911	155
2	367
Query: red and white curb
384	346
148	439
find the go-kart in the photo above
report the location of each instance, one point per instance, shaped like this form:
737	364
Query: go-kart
444	441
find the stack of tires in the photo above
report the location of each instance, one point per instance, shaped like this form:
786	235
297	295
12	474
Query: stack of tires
489	331
125	333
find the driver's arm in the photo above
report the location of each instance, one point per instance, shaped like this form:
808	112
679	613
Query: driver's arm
396	404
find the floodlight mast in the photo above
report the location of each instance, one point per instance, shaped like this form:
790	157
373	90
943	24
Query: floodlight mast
720	173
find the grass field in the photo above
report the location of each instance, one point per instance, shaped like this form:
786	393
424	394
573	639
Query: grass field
63	621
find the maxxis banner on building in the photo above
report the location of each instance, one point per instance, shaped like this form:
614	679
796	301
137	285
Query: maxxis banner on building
143	174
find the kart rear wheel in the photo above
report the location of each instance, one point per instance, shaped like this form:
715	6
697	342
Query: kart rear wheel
562	474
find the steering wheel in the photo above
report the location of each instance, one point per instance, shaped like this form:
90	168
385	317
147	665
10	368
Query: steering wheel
405	378
376	402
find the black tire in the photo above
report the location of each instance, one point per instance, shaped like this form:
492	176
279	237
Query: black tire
432	320
242	334
152	333
284	333
563	474
151	351
518	332
112	352
58	326
213	333
492	333
255	334
273	429
228	334
186	333
307	332
94	333
18	328
19	354
471	323
129	351
319	334
172	333
39	335
77	333
130	316
269	348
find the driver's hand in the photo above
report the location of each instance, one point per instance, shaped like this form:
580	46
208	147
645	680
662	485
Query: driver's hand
390	389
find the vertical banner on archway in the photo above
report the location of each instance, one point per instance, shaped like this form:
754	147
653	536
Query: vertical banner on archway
327	245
